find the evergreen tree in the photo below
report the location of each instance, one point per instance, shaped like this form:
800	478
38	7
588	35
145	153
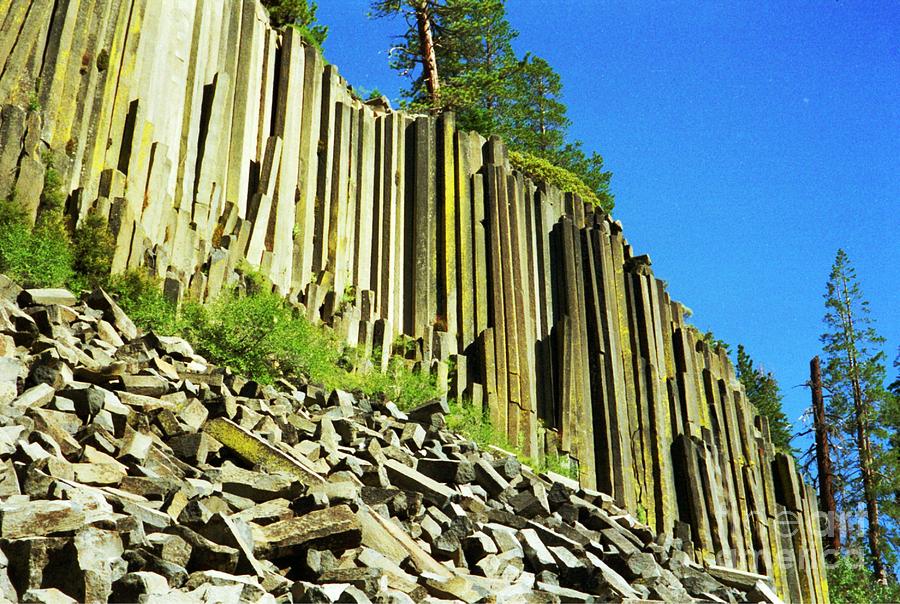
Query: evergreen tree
890	467
472	53
300	14
536	121
479	64
468	57
589	168
854	375
763	391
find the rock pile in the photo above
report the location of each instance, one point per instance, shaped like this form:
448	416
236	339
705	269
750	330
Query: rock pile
133	470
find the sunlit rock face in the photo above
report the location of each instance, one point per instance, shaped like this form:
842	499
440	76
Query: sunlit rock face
209	140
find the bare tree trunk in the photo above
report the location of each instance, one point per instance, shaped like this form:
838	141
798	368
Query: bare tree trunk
429	58
823	460
863	443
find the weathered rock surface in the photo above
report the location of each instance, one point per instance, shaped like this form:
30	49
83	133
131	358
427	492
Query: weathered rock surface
144	487
208	139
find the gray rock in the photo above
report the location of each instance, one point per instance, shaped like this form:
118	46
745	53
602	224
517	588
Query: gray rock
133	586
537	554
408	478
565	594
489	478
338	526
37	518
35	297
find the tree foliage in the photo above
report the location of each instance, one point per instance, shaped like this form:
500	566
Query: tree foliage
863	412
490	89
299	14
537	116
849	582
763	391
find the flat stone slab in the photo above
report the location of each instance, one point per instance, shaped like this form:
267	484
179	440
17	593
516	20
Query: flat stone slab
337	526
34	397
412	480
32	297
37	518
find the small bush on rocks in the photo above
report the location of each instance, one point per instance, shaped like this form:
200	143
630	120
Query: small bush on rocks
140	296
542	170
93	247
36	257
256	333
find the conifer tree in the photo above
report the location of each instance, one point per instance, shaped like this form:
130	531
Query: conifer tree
300	14
854	375
536	121
470	60
890	466
471	50
763	391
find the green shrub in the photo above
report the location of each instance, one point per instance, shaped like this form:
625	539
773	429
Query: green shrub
34	102
256	333
540	169
559	464
470	421
242	332
53	198
140	296
850	582
51	254
400	384
35	257
93	246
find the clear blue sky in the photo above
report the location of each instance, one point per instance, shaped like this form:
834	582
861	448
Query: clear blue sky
748	142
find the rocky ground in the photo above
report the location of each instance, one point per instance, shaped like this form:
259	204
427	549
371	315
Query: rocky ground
133	470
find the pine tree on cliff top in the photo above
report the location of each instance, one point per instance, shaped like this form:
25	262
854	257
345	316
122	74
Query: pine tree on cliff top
458	55
763	391
537	121
466	64
300	14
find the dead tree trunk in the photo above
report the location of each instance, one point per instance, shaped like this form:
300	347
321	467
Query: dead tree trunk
827	505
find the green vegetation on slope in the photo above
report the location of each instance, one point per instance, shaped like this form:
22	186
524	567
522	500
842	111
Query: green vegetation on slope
38	256
539	169
255	332
470	421
47	254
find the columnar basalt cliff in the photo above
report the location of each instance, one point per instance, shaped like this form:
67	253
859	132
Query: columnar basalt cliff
209	139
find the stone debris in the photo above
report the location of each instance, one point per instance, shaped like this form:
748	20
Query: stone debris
133	470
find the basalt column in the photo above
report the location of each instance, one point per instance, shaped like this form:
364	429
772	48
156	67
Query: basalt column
210	141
